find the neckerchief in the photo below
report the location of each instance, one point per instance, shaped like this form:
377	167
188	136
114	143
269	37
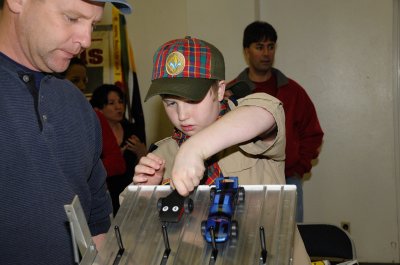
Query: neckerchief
213	170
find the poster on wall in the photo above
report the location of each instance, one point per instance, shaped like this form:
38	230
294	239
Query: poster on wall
110	60
98	59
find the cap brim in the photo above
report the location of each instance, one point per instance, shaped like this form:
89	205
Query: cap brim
189	88
121	5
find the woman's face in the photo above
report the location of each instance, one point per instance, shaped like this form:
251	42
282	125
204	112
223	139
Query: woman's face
114	109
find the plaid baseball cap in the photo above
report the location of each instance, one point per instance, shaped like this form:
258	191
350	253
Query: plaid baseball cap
122	5
186	68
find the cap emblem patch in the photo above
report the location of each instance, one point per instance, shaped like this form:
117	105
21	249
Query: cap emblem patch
175	63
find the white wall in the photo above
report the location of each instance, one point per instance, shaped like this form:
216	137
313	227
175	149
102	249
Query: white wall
341	52
152	23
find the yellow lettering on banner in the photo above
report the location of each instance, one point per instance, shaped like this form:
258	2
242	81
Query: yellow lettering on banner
116	45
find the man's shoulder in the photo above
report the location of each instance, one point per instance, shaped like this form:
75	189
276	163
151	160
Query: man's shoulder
241	86
242	76
285	81
295	87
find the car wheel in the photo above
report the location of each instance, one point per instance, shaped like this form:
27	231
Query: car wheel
234	229
188	204
242	195
159	204
213	191
203	228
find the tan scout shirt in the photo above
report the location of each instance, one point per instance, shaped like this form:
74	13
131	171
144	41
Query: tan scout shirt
253	162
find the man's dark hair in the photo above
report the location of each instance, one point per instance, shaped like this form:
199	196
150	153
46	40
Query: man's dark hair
1	4
258	31
100	95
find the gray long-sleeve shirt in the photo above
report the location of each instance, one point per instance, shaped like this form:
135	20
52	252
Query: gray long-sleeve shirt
50	146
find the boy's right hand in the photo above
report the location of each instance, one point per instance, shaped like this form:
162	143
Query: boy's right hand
188	168
149	170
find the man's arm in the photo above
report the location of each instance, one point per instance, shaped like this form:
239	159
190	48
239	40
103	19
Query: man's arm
310	136
100	203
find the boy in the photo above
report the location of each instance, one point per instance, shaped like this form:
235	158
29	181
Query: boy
192	89
212	136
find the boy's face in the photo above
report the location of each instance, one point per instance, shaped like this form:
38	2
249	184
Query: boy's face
190	117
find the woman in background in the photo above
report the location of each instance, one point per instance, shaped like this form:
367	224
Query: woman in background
111	155
110	101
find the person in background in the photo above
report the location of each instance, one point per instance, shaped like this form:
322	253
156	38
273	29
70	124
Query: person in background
303	131
109	100
77	73
111	154
213	137
50	137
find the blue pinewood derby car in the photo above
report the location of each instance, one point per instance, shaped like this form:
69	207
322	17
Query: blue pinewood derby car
224	197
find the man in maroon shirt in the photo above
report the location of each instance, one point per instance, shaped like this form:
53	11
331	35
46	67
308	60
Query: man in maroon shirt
303	131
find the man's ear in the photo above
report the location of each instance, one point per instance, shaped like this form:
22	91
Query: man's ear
221	89
15	5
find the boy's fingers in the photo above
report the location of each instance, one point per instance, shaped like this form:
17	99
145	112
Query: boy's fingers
155	158
151	161
144	169
181	188
138	180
